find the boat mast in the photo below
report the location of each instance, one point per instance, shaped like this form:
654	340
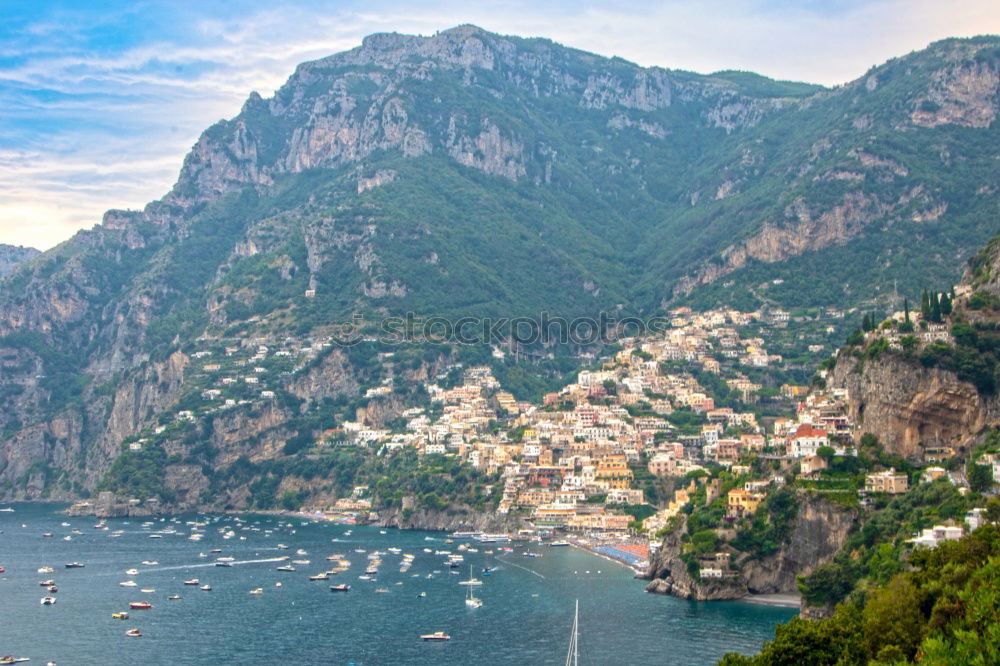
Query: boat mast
573	654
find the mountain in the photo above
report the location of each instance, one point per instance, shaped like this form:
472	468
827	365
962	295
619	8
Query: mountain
12	255
470	173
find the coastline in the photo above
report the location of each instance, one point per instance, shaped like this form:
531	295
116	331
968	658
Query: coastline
780	600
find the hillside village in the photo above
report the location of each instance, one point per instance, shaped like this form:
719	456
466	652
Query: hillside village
619	455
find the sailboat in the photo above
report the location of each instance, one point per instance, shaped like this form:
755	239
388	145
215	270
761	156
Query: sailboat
573	654
471	601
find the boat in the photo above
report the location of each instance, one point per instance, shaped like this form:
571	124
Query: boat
471	601
47	534
7	509
223	564
215	550
52	588
421	595
555	544
322	576
464	535
140	605
74	565
193	581
135	633
46	583
150	563
285	567
45	570
257	590
340	588
382	590
471	581
206	588
120	616
131	572
436	636
8	659
147	590
48	601
281	546
174	597
128	583
225	559
573	653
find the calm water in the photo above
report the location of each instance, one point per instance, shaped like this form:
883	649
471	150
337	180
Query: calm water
526	616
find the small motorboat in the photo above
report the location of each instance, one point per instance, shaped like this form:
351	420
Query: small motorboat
48	601
205	588
421	595
13	660
52	588
150	563
47	534
436	636
45	570
140	605
193	581
120	616
285	567
74	565
174	597
134	633
147	590
131	572
340	588
382	590
322	576
257	590
224	564
46	583
128	583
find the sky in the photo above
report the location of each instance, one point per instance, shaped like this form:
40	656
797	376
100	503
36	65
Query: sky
101	100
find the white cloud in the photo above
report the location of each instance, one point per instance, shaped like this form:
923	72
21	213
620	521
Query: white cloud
122	121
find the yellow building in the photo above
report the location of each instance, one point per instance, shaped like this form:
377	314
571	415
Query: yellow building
741	501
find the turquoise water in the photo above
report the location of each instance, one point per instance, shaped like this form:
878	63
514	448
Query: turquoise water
526	616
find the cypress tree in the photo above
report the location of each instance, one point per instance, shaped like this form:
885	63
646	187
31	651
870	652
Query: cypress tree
906	310
925	305
946	307
936	308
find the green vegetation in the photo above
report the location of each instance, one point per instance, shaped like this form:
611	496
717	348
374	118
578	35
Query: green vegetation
943	610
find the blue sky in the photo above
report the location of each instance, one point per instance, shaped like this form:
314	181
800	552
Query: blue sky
100	100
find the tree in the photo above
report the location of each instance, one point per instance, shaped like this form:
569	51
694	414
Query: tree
893	623
946	305
826	453
980	476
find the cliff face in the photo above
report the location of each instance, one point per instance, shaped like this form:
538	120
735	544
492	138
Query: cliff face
905	404
12	255
819	530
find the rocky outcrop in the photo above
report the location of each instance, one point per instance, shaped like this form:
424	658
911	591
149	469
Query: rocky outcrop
818	532
907	405
12	255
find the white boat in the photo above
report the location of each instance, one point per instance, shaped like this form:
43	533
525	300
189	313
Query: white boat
150	563
193	581
206	588
257	590
471	601
128	583
48	601
45	570
436	636
132	572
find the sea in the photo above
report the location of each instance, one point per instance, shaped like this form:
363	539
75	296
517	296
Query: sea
529	594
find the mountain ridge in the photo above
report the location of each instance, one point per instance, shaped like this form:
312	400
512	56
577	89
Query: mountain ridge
472	174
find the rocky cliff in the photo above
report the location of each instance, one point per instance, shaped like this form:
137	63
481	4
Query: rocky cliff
13	255
817	533
907	405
